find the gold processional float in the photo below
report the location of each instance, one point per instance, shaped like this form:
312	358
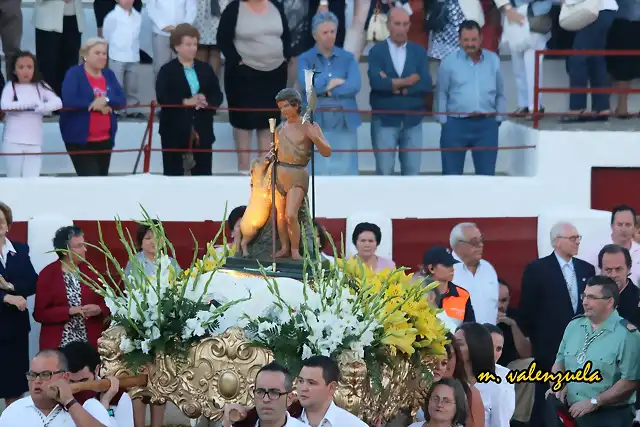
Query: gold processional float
201	334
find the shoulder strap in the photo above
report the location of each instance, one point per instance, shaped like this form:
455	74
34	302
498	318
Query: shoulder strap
628	325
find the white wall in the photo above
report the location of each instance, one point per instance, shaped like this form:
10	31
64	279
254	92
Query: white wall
562	180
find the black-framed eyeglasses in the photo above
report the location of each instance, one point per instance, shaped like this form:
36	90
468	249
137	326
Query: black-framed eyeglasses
274	394
474	242
44	375
591	297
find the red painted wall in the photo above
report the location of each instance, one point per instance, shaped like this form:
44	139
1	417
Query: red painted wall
613	186
510	243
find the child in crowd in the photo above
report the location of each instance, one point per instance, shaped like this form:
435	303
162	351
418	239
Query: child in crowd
25	98
121	29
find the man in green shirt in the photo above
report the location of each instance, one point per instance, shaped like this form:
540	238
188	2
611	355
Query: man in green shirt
610	343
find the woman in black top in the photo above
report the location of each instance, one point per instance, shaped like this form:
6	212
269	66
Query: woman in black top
192	83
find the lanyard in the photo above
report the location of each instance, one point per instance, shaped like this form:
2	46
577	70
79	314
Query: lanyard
582	356
46	421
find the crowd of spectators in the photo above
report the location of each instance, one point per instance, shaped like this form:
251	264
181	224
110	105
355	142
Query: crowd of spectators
421	50
489	333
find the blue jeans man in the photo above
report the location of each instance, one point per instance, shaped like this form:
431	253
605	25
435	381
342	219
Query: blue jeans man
407	139
462	133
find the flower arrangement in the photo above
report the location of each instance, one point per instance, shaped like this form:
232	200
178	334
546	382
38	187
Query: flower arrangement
345	306
164	311
413	324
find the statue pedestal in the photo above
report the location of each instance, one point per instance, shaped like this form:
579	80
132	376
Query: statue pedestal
285	267
261	250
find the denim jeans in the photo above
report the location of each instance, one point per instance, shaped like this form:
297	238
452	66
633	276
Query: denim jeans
464	133
590	70
339	163
390	138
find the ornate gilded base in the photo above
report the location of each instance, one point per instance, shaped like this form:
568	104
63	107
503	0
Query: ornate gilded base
222	369
216	371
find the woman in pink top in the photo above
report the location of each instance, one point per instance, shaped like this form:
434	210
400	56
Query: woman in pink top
26	99
366	238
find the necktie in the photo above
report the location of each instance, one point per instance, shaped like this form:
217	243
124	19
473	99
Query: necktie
570	278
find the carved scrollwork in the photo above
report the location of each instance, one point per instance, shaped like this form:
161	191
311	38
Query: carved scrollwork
400	389
222	369
216	371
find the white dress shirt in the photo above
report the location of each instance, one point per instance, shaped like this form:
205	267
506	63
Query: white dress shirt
569	273
336	417
6	250
498	409
398	56
164	13
508	391
591	256
291	422
24	413
122	30
482	286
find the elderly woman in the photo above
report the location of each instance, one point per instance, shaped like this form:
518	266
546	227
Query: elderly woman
446	405
337	84
146	259
91	92
254	38
68	309
192	83
17	282
366	237
146	256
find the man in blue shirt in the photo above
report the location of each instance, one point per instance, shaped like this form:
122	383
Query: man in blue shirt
399	78
470	87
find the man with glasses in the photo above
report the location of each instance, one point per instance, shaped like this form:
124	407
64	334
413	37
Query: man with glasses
50	402
610	343
550	298
273	393
474	273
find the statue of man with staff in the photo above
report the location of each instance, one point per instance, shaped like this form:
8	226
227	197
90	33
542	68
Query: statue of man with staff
293	147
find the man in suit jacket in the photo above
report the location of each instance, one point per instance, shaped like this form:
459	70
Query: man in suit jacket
400	79
551	296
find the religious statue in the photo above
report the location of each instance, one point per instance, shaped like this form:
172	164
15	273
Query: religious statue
280	181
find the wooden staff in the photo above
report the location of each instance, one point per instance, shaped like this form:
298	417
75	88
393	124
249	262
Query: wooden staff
274	219
104	384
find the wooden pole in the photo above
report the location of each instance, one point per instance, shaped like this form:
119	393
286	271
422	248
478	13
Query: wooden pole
274	213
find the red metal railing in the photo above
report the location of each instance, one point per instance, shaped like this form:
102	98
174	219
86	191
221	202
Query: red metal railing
146	147
537	90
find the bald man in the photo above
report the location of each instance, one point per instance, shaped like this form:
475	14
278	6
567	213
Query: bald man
398	85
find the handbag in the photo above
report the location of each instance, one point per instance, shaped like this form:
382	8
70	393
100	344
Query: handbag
436	17
472	10
377	30
576	16
540	24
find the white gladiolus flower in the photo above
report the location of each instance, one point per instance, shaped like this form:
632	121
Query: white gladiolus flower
126	345
145	346
306	352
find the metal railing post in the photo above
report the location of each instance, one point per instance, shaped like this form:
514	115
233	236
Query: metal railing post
147	148
536	90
